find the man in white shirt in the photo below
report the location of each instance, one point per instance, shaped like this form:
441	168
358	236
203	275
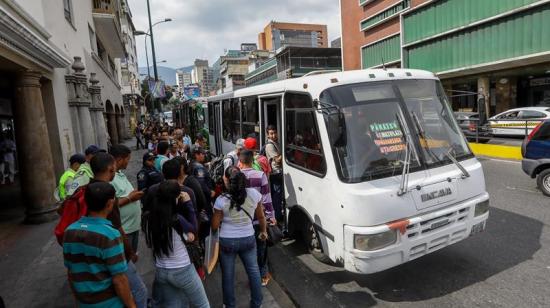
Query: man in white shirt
232	158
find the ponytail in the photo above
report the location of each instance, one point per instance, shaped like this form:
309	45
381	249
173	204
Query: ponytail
236	192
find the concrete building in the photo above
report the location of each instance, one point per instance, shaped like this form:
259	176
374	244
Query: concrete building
336	43
500	49
293	62
59	88
280	34
202	75
183	79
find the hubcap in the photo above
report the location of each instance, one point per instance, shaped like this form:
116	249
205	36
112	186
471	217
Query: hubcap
546	183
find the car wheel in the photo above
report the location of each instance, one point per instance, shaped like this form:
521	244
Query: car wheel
313	243
543	182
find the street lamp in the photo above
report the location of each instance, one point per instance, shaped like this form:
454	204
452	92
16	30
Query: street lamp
138	32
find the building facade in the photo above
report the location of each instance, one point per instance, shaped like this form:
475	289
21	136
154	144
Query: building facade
293	62
202	75
59	88
498	48
278	35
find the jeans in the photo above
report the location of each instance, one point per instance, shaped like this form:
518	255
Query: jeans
261	252
178	287
276	181
138	288
133	238
139	143
245	248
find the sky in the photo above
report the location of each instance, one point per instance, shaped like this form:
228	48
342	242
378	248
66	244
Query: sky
204	28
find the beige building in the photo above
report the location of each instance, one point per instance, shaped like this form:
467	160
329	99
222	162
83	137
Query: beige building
283	34
60	88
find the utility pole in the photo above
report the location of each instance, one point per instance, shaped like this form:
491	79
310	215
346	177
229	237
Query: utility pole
152	42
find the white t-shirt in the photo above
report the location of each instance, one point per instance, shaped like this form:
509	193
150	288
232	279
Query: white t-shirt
237	224
179	257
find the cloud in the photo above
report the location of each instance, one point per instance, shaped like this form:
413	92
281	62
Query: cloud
204	28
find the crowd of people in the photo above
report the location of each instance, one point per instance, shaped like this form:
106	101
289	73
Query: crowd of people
178	202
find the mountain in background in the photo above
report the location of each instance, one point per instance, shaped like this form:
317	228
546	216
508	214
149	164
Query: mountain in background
167	74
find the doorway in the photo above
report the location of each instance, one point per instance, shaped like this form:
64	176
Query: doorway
271	110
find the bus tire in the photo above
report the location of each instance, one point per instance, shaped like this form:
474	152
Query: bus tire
543	182
313	244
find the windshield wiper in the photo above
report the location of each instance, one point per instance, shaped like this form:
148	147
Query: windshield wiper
404	186
423	134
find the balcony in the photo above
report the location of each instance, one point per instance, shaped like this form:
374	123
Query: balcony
107	26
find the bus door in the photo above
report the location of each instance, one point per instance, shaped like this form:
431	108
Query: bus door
270	108
217	129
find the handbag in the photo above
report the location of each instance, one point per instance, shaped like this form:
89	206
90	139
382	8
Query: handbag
196	253
274	235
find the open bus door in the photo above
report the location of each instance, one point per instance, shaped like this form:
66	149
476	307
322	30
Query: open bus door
217	129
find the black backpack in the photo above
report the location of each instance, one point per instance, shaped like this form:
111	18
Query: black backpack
216	169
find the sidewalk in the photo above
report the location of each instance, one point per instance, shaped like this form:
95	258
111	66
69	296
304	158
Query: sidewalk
32	272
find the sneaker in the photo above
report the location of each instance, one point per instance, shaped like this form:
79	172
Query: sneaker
266	279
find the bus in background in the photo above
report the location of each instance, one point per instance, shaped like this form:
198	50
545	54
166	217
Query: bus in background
191	115
376	170
167	117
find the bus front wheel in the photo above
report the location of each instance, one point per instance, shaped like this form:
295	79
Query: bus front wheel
313	243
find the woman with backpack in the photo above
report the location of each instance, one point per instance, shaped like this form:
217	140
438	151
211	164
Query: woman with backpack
177	283
236	208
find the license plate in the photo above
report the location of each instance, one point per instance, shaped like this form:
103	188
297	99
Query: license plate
439	224
477	228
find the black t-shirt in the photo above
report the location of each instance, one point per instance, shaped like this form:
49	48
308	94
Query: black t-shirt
195	186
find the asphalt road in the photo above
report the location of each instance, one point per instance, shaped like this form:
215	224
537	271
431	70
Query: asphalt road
508	265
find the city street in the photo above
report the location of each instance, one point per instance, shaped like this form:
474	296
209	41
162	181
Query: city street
506	266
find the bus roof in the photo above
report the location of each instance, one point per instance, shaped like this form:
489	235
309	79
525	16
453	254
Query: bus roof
315	84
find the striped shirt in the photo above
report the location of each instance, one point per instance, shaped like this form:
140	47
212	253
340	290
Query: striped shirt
94	253
258	181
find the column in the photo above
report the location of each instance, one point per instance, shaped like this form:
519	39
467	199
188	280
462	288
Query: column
483	87
85	119
96	110
35	160
120	126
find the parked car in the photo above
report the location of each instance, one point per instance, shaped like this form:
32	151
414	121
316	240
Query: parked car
469	123
536	155
513	121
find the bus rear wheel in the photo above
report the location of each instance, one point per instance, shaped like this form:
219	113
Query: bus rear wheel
313	244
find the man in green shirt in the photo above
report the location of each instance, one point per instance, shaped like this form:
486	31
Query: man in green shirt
67	178
84	173
128	197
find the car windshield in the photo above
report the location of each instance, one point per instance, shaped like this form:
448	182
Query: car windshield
380	118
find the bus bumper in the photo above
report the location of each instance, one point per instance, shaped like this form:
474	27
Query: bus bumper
424	234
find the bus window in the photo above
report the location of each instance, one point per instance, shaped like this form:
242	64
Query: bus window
302	143
235	120
211	118
250	117
226	120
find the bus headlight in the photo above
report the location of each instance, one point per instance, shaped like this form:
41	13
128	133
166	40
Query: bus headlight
482	208
368	242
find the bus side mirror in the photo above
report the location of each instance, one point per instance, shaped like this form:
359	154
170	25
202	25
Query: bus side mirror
336	126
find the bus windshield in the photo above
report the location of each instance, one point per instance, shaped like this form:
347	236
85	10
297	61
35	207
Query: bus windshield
381	117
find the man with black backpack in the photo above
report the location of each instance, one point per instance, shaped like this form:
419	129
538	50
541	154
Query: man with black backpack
232	158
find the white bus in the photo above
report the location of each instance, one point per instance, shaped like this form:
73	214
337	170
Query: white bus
376	170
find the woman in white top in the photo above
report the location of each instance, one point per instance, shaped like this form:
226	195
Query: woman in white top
177	283
234	211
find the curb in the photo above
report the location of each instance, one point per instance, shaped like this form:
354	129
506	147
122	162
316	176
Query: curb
280	296
496	151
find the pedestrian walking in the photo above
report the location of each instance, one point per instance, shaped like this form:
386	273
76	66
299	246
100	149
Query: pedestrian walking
66	179
128	197
104	168
97	277
234	211
139	137
258	180
176	283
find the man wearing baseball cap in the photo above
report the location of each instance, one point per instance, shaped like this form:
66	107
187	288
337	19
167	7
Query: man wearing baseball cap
84	173
67	178
260	162
148	175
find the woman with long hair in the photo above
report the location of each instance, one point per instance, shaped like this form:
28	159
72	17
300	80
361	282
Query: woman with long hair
235	210
177	283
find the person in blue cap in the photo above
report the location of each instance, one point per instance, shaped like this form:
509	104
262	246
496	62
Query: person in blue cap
67	178
148	175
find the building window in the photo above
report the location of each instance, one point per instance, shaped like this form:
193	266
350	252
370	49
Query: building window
93	41
68	10
302	143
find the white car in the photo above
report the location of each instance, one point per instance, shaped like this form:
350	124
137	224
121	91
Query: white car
515	121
